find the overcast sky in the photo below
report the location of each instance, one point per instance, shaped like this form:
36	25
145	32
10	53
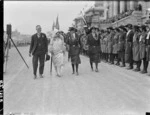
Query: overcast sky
25	15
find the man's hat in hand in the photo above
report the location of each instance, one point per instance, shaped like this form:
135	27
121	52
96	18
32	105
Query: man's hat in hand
47	57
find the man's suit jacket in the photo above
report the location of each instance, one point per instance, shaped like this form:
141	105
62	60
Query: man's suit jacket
34	43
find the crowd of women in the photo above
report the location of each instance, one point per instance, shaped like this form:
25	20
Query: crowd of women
124	45
127	44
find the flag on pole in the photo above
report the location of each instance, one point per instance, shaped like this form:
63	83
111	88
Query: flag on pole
57	23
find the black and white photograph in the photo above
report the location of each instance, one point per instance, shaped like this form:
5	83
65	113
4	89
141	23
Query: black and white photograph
76	57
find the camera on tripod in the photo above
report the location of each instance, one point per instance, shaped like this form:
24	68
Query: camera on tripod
9	29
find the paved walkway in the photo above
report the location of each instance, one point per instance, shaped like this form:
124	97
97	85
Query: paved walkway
112	91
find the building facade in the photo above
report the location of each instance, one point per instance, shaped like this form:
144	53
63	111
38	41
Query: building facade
117	12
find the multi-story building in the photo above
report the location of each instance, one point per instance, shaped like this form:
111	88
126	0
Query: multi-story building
92	16
79	23
118	12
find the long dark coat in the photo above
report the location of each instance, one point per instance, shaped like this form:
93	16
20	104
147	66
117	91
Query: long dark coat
74	48
136	47
115	41
148	47
94	48
142	42
128	47
121	44
110	42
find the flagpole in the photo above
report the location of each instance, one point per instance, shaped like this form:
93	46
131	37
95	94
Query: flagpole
83	18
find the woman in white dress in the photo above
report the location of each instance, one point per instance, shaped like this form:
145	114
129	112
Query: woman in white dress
57	49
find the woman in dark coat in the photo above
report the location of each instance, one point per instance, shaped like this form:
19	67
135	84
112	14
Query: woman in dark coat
93	41
74	49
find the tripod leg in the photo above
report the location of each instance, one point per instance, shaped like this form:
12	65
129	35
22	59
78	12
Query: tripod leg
19	52
6	57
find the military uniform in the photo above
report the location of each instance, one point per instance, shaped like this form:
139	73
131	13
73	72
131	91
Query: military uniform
148	46
128	48
115	46
136	50
105	44
110	45
102	46
121	47
142	50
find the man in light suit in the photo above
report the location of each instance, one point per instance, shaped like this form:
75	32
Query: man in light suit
38	48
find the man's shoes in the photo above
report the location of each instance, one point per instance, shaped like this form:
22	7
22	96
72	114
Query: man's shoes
35	76
143	72
72	72
41	76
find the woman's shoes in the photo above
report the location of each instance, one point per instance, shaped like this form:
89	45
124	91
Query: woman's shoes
58	75
35	76
77	73
96	70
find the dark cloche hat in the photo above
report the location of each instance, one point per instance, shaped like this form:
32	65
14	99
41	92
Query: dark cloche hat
93	27
128	26
136	27
110	28
122	27
102	31
143	27
117	28
72	29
